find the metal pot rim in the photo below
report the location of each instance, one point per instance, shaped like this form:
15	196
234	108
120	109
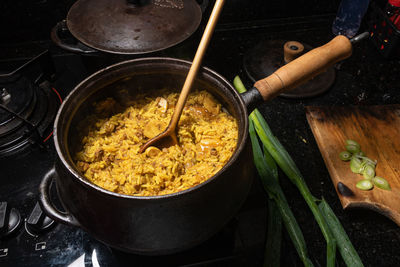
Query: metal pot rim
241	143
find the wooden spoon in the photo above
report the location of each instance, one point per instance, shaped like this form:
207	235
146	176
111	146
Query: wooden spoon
168	137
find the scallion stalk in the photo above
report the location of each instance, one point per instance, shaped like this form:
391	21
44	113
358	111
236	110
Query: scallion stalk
345	247
286	163
274	232
268	173
274	236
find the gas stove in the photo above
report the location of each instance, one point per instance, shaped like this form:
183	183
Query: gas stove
364	79
30	97
28	104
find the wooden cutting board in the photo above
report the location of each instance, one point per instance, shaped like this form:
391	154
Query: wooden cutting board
377	130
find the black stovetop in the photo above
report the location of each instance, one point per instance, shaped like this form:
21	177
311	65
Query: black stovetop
364	79
60	245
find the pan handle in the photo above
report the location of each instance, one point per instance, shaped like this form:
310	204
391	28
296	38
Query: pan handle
61	26
301	69
46	204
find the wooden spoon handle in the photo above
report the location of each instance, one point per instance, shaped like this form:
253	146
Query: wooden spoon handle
304	67
205	40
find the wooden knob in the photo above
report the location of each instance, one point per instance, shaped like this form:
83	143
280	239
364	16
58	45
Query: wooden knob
292	50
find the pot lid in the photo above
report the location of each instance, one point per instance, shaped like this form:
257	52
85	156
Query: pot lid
133	27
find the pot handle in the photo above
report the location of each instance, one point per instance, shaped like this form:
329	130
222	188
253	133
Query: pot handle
46	204
61	26
304	68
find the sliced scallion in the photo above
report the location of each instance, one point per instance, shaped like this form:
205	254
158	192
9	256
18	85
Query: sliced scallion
353	143
345	155
381	183
365	184
369	171
352	149
355	165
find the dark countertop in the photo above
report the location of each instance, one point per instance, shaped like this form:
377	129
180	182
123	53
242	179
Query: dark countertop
366	78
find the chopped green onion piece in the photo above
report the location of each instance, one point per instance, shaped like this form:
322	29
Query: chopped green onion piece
361	154
355	165
353	143
381	183
365	184
352	149
367	160
345	155
369	172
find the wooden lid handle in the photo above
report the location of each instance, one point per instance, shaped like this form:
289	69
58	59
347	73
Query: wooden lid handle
292	50
304	67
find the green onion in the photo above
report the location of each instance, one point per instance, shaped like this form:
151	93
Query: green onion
274	236
353	143
345	155
345	247
381	183
286	163
352	149
361	154
366	160
352	146
355	165
365	184
361	164
369	171
274	232
268	172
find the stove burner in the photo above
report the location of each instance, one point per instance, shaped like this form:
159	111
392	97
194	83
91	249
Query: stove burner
28	105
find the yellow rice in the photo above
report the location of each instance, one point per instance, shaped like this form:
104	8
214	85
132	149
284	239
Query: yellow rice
109	156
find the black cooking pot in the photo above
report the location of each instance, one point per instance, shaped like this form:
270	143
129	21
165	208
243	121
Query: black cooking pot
174	222
146	225
127	27
105	32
